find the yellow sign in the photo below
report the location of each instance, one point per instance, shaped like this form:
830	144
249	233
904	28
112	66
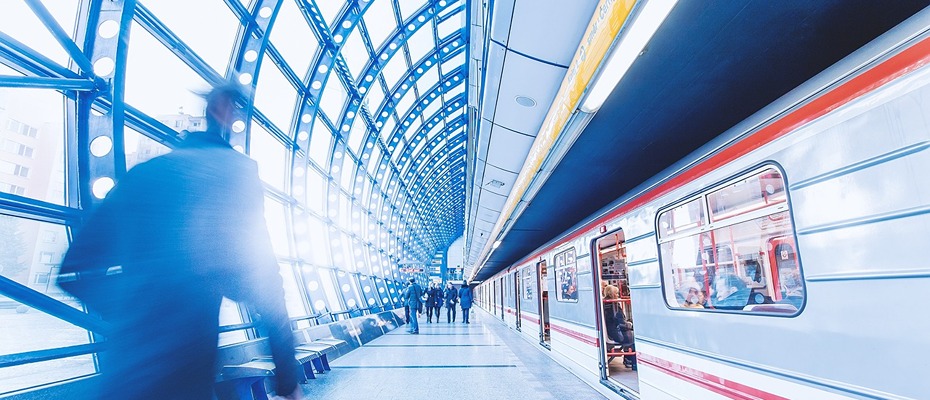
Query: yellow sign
605	24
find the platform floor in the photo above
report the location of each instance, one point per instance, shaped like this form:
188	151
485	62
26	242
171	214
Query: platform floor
481	360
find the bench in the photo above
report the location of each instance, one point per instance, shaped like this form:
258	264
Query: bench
325	346
243	368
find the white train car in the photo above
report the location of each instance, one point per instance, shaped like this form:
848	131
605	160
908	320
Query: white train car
784	260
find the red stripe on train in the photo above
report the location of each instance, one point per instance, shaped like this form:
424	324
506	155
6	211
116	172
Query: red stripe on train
714	383
900	64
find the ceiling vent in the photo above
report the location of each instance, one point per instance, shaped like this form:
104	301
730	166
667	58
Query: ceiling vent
495	183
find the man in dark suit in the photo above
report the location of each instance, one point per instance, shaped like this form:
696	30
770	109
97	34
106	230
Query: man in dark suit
413	301
185	230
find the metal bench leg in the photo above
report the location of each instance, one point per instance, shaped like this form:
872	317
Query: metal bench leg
325	361
318	364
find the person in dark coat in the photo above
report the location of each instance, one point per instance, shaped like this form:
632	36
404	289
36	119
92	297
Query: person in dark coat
155	259
465	297
430	299
451	297
413	301
437	300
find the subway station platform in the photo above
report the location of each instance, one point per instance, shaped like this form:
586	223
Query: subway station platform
481	360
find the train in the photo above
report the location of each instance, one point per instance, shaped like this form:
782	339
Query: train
782	260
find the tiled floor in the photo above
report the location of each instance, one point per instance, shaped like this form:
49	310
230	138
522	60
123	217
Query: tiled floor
449	361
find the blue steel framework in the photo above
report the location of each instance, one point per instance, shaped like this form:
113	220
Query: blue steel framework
396	164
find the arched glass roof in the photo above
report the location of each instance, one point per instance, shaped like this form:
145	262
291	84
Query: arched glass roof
358	124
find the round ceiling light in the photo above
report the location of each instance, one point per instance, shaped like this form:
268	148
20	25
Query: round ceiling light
525	101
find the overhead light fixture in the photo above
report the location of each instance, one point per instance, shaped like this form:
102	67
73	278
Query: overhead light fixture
632	43
496	244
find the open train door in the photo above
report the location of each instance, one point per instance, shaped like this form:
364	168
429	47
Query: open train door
517	297
614	313
543	289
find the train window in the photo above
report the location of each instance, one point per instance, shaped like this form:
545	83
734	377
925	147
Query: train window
529	285
682	218
566	276
745	261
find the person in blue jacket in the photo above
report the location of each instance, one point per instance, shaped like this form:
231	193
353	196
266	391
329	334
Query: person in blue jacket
156	257
465	298
451	297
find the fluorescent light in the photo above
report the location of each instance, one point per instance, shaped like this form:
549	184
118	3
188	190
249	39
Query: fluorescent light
645	25
496	244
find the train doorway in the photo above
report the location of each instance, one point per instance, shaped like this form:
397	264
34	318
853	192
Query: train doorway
503	286
543	289
516	297
618	355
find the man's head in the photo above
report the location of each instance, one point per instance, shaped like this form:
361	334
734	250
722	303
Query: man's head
222	103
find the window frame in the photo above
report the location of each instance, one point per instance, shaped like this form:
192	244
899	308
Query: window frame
557	269
710	226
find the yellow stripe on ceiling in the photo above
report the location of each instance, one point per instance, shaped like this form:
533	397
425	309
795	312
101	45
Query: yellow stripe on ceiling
605	24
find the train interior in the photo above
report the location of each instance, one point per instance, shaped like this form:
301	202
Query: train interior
544	336
618	363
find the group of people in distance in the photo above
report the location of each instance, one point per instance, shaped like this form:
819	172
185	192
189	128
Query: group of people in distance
415	299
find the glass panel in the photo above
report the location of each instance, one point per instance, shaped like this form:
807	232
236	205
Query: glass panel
355	53
294	38
379	20
46	372
330	9
229	315
428	79
292	297
387	130
408	7
333	98
348	171
335	247
157	82
320	143
430	111
186	20
32	135
348	290
394	70
374	159
344	217
357	135
270	155
315	188
454	62
140	148
375	97
319	251
275	96
18	21
566	276
451	25
682	218
751	194
369	291
277	226
329	288
421	43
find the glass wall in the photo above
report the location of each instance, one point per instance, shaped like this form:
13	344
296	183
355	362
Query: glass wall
346	106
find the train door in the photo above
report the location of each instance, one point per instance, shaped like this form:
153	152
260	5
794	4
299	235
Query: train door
503	286
543	290
516	297
615	316
494	295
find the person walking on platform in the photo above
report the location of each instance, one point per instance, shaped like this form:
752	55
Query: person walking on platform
430	298
403	297
437	300
451	297
174	237
413	301
465	296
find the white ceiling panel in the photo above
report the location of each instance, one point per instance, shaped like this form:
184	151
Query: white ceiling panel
494	178
487	214
529	78
500	24
491	200
508	149
493	80
550	29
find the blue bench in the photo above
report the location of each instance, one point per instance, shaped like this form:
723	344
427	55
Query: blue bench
243	368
